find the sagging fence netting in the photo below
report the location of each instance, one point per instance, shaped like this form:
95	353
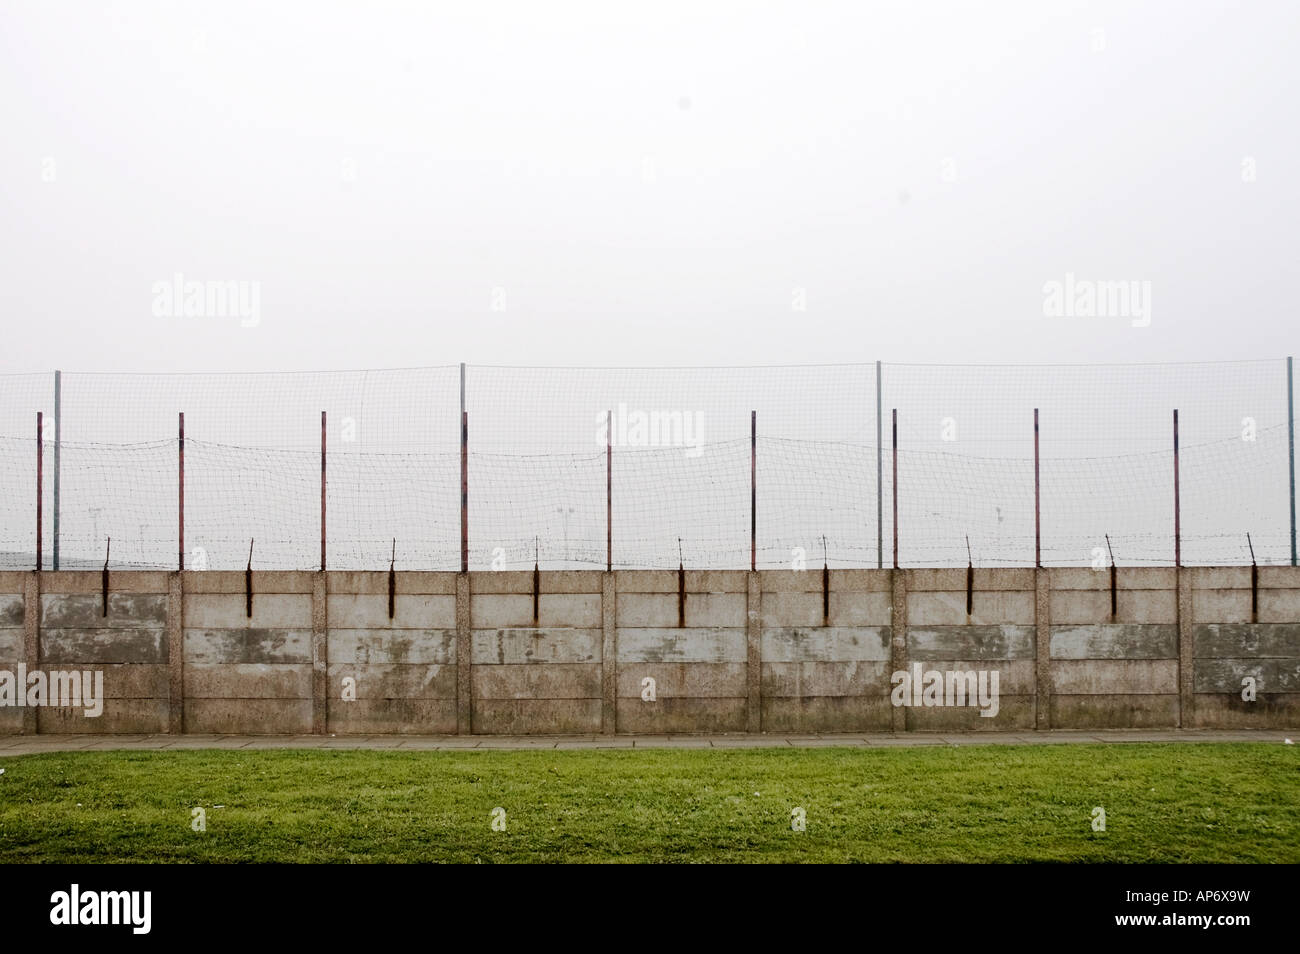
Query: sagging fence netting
651	467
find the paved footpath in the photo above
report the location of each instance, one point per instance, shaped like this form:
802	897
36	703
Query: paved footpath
33	744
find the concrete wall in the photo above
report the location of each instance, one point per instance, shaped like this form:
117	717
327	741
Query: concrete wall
761	651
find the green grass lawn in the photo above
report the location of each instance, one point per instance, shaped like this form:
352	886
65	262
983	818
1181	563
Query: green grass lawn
1163	802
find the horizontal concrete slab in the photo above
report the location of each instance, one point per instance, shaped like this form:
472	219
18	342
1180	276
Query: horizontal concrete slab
89	582
1228	675
1221	606
73	646
509	646
550	582
247	681
124	680
670	715
1122	711
247	646
800	679
393	681
1013	712
826	644
119	716
1127	577
681	645
249	716
375	582
410	611
1007	641
232	581
826	714
1229	710
948	608
650	610
577	610
227	611
953	579
396	647
393	716
125	611
532	681
1115	641
810	580
1260	640
1077	607
683	680
536	716
1015	676
1114	676
697	581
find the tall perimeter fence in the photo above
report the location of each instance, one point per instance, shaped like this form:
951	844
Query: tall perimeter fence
453	467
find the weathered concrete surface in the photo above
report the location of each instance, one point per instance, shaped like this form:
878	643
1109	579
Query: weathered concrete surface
828	643
757	650
682	645
1005	641
1126	711
1115	641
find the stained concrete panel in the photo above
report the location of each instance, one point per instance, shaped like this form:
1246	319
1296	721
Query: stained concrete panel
1114	676
1227	675
678	715
1234	640
419	612
119	645
1123	711
826	644
1115	641
805	679
531	681
393	716
536	716
1007	641
682	645
399	647
683	680
826	714
947	608
247	646
248	716
509	646
393	681
247	681
229	611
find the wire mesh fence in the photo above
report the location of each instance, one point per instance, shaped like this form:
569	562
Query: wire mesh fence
652	467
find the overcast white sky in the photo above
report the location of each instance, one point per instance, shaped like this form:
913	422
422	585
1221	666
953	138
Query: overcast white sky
658	183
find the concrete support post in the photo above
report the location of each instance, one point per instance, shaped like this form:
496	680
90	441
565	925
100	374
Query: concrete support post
1186	649
1042	649
608	654
464	658
175	653
898	641
320	683
31	638
753	652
